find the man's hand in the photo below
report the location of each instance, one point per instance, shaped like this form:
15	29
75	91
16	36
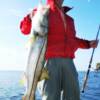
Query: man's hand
93	43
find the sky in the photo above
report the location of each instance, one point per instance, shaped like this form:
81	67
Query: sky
13	53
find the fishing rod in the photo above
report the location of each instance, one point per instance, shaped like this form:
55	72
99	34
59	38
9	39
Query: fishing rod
87	73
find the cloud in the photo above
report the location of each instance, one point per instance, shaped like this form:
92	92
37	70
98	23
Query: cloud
12	58
15	12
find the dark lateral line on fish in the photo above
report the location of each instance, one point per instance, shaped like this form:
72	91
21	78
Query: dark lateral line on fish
37	35
44	26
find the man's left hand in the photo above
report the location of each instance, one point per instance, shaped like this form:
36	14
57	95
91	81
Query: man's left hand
93	43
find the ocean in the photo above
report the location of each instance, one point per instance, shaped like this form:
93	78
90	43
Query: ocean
11	89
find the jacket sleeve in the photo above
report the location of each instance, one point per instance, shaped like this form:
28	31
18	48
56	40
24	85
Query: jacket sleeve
26	23
84	44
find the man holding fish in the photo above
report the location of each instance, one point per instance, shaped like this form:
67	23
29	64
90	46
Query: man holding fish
61	46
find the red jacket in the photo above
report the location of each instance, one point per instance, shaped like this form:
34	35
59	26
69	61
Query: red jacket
62	41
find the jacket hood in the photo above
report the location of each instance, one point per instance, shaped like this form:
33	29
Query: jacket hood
52	5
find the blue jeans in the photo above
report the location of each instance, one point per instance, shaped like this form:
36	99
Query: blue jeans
62	77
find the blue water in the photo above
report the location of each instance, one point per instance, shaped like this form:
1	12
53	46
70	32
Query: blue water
10	89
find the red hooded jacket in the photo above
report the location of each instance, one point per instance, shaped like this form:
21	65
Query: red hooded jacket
62	40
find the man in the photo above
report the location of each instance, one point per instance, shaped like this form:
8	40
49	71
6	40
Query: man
61	47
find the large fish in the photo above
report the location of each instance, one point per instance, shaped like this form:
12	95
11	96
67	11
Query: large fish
37	51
